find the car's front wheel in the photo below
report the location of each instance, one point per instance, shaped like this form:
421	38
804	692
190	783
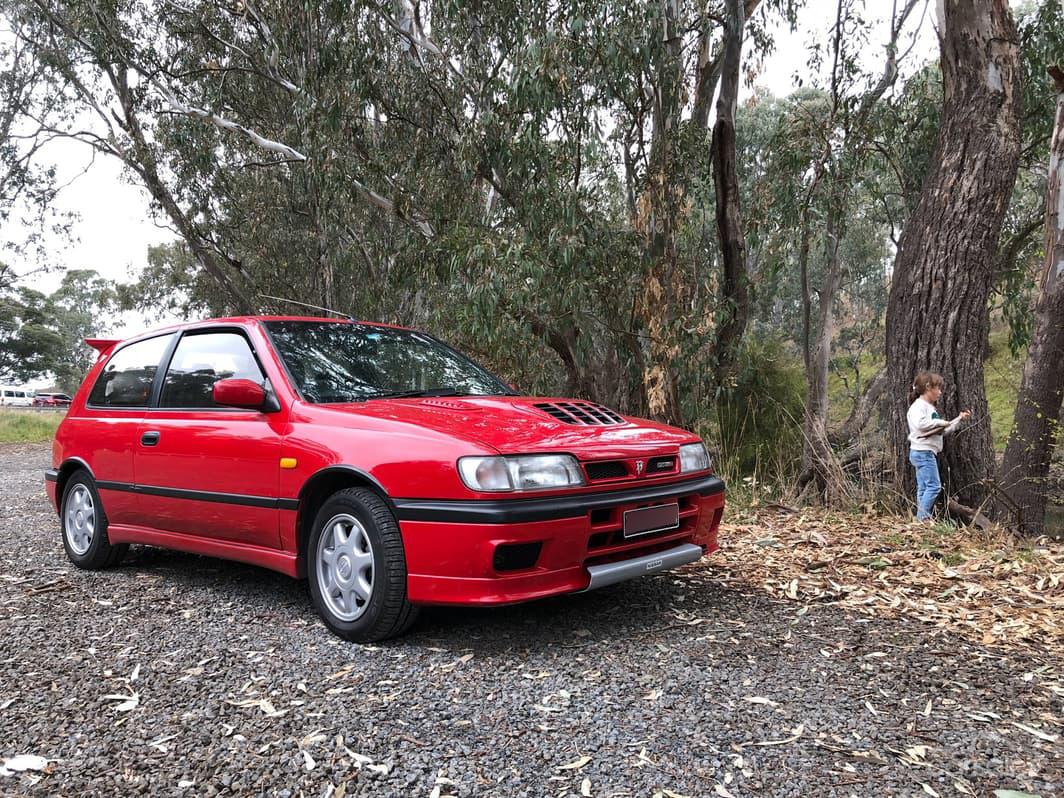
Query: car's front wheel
356	567
84	525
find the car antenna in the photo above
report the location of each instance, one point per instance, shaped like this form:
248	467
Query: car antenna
347	316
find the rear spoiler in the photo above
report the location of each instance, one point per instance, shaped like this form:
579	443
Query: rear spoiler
102	345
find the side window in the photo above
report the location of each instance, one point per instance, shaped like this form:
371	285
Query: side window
127	378
200	361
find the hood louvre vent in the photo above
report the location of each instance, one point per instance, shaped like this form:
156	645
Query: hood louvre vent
585	414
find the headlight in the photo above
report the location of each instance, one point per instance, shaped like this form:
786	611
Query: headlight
694	457
525	472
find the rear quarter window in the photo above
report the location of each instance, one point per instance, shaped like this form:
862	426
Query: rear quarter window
126	380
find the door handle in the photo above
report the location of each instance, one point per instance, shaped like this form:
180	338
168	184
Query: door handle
149	438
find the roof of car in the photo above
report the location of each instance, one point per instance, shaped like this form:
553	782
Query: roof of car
253	319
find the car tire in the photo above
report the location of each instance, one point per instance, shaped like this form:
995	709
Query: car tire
356	568
83	524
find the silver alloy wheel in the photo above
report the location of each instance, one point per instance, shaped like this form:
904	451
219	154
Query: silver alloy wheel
79	520
345	567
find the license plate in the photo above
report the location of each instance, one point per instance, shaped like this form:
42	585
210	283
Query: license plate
651	519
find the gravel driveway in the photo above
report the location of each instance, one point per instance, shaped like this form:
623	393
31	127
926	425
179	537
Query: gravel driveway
177	674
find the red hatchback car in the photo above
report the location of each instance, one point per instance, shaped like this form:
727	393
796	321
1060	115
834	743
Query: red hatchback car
375	461
51	400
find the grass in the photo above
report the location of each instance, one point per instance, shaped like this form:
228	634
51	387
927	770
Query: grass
28	426
1002	372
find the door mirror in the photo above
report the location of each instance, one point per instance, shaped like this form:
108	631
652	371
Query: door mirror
239	393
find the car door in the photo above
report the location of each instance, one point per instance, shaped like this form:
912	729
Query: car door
202	469
111	418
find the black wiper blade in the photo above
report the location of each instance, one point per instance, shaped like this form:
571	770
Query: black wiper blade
446	390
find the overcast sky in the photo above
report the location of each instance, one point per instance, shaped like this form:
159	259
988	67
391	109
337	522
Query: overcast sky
114	227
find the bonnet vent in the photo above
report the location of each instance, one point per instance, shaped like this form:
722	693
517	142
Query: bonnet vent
585	414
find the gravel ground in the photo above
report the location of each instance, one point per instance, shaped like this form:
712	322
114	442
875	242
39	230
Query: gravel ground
176	674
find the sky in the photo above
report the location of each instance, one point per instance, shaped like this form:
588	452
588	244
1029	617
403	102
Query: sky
114	226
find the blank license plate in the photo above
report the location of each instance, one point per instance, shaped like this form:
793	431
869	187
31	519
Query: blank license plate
651	519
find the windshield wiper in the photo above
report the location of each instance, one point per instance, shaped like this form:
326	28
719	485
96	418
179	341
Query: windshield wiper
445	390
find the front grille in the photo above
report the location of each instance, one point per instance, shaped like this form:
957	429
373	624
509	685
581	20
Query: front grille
582	413
607	469
661	465
607	530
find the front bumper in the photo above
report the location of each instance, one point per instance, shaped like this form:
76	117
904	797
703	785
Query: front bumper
451	545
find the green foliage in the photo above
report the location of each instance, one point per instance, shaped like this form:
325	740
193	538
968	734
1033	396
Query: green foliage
42	334
1041	33
25	426
29	344
522	178
80	308
758	424
1003	370
171	284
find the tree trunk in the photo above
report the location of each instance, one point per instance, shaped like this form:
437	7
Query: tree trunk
830	480
710	64
1036	427
661	223
937	316
861	412
736	297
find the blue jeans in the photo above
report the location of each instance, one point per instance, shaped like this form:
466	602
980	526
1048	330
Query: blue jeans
928	485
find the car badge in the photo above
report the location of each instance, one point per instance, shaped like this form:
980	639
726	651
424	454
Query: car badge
639	465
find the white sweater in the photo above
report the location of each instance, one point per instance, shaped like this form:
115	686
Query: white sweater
926	426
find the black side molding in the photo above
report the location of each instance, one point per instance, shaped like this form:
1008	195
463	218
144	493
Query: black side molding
517	511
51	475
238	499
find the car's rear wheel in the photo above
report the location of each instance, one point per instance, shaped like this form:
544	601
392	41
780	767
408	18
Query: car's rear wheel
356	567
84	525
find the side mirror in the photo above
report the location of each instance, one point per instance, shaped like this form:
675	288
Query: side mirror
239	393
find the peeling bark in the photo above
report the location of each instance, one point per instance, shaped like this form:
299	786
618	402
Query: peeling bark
225	124
736	297
711	57
660	221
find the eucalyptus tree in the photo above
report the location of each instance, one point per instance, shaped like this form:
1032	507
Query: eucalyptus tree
818	244
518	171
937	315
1036	427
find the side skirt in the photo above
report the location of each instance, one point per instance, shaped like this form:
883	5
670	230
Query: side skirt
275	560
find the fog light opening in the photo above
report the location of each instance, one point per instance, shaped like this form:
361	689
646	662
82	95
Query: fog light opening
516	556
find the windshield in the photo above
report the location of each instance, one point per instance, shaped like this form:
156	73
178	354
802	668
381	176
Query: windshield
350	362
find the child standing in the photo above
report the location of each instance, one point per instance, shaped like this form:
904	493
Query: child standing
926	429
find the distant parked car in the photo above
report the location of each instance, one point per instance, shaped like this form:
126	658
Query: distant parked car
15	397
51	400
375	461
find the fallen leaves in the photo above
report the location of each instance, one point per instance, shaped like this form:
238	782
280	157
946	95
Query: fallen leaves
988	588
263	704
576	764
22	763
1041	735
796	733
128	702
759	699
